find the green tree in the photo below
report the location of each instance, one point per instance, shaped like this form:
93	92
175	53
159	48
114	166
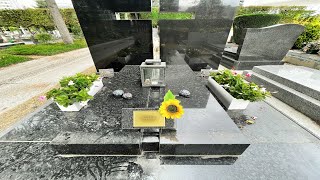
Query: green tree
41	3
59	22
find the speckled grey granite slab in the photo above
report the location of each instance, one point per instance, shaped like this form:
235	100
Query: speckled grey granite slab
101	114
280	149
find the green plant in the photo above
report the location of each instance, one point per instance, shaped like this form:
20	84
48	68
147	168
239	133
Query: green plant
43	37
44	49
238	87
311	33
252	21
8	59
156	15
79	81
66	96
73	89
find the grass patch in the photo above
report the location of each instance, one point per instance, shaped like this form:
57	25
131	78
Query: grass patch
155	15
44	49
8	59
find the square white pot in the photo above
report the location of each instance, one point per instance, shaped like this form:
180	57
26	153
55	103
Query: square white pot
96	87
225	98
74	107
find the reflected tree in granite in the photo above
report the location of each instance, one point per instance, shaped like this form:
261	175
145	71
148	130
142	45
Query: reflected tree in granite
37	161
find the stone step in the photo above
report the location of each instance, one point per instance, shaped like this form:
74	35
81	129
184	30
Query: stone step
301	102
231	54
113	143
150	143
302	79
227	62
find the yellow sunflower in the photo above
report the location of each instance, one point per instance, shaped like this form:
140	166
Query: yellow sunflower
171	109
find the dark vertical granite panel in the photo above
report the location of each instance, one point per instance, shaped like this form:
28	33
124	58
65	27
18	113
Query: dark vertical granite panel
107	37
202	38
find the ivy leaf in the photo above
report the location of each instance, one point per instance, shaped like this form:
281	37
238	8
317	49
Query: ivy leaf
169	95
250	122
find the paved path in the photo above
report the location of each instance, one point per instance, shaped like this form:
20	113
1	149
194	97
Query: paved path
20	82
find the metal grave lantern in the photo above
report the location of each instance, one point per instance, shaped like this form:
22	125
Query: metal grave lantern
153	73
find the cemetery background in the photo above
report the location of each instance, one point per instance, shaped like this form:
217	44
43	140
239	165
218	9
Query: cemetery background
247	167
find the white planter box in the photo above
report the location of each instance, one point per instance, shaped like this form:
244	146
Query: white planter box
226	99
96	87
74	107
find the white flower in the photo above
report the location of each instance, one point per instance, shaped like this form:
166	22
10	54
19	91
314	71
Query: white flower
226	86
263	90
255	88
70	83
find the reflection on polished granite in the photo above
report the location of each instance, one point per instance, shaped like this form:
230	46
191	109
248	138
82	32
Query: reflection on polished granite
280	149
207	33
102	117
107	37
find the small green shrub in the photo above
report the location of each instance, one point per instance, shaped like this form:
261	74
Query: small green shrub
80	81
238	87
73	89
311	33
43	37
8	59
252	21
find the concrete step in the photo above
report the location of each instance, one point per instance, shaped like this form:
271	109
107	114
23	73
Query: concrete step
295	77
299	101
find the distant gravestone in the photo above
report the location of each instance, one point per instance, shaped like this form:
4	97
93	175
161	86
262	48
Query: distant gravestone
263	46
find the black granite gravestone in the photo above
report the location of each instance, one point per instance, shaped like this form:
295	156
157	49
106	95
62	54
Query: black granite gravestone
108	37
99	128
203	38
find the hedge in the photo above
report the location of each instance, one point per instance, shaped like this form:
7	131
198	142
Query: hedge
39	18
252	21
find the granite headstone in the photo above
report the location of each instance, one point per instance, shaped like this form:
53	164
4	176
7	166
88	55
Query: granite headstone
263	46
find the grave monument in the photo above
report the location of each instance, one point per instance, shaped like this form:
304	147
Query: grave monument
262	46
123	129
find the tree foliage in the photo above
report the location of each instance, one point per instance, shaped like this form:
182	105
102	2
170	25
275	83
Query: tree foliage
291	14
36	18
41	4
252	21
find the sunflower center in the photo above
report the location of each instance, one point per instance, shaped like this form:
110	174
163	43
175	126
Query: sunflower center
172	109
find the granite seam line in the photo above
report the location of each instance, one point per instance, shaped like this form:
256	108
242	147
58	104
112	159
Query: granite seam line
142	155
296	122
25	141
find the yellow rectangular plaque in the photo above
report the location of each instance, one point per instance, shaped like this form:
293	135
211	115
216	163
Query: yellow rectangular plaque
148	119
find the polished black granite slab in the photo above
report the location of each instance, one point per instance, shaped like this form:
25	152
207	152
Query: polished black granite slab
203	36
103	113
109	39
114	142
204	131
38	161
280	149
